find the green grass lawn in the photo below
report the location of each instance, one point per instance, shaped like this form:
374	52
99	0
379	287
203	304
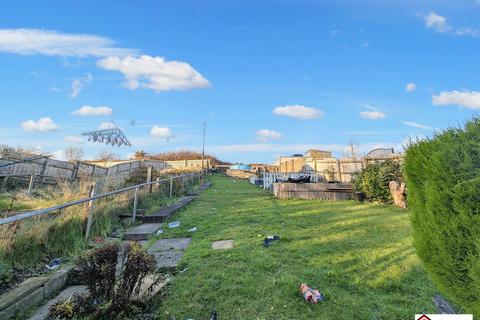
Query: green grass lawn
359	255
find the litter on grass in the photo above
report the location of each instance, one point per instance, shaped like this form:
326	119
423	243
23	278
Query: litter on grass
159	232
192	229
174	224
269	239
54	264
311	295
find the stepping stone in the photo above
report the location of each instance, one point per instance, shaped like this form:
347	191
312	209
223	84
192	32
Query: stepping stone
222	245
168	252
167	259
142	232
170	244
41	313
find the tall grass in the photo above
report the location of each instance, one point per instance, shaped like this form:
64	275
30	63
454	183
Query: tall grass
28	243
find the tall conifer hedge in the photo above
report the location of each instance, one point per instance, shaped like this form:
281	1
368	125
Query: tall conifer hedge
443	195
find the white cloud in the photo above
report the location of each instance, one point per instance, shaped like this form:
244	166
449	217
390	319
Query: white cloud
161	133
107	125
53	43
464	99
299	112
372	115
417	125
439	24
93	111
264	135
73	139
155	73
410	87
58	155
79	83
44	124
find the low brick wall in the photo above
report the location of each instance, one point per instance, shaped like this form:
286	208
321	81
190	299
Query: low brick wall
313	191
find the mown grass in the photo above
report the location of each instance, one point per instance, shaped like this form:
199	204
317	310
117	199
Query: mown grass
359	255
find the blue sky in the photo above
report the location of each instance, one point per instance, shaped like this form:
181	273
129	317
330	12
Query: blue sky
268	77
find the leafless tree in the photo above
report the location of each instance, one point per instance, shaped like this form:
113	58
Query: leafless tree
106	156
73	153
352	149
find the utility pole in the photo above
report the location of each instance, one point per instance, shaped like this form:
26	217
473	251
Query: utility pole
203	150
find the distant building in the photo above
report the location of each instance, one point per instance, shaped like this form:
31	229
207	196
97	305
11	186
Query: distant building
318	154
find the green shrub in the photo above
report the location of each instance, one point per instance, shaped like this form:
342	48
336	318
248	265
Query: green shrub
443	181
374	179
6	273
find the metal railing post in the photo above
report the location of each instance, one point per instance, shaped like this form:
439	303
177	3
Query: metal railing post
135	202
171	187
90	211
30	184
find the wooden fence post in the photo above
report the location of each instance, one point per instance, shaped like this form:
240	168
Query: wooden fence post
339	170
44	169
135	203
30	184
90	211
149	178
171	187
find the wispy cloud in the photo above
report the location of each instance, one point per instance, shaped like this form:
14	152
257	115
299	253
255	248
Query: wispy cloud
264	135
372	115
299	112
295	148
155	73
79	83
73	139
463	99
417	125
439	24
54	43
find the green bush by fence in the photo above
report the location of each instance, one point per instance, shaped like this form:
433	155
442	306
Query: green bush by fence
443	181
374	179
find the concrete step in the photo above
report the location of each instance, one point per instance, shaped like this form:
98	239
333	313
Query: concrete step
142	232
42	312
166	212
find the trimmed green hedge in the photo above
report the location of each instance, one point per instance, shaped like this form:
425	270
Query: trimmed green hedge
443	181
374	179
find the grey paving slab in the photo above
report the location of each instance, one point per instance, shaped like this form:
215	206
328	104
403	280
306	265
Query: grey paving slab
142	232
168	259
170	244
222	244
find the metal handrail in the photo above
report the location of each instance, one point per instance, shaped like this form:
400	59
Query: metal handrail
34	213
